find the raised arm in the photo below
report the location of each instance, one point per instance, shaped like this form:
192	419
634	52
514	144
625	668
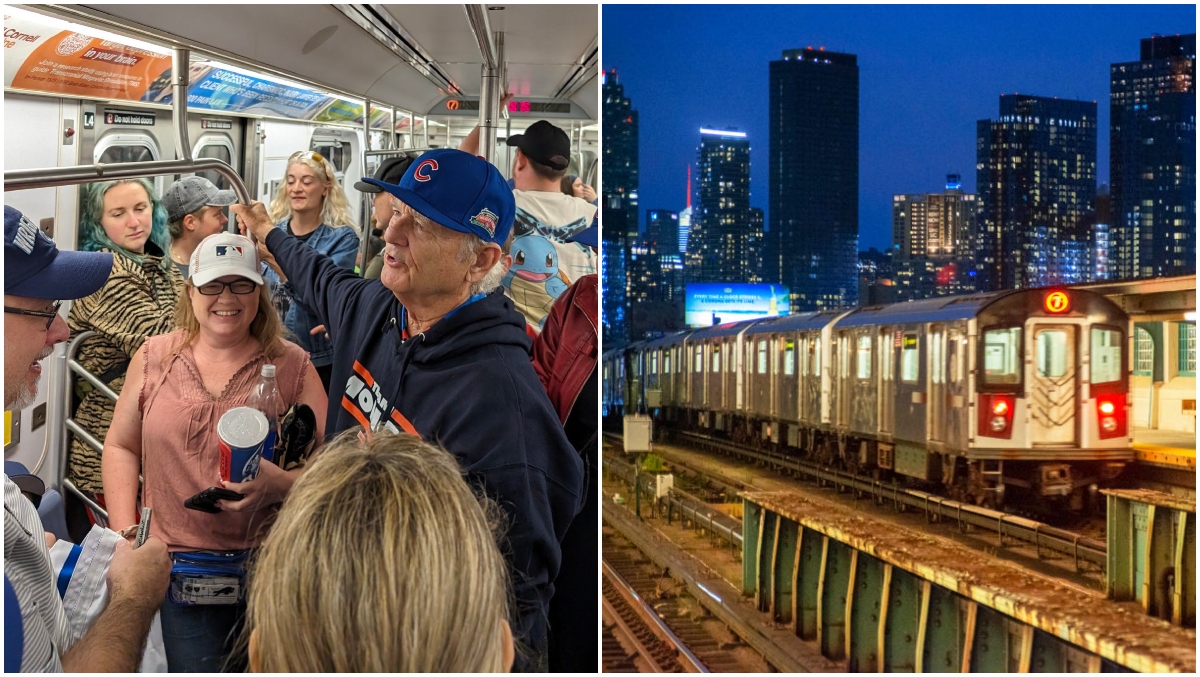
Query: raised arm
325	287
471	143
121	460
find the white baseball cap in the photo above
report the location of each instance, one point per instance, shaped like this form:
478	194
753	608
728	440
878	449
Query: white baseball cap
224	254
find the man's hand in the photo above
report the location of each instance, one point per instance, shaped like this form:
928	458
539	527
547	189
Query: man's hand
320	329
253	220
270	487
140	575
589	193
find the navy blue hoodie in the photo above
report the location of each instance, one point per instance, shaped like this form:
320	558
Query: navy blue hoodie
466	384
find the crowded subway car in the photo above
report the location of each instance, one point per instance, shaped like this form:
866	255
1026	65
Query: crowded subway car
1021	392
281	282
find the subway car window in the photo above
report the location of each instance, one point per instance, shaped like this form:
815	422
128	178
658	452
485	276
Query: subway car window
910	359
1001	356
762	357
1106	355
716	362
215	152
126	154
864	357
789	359
1052	353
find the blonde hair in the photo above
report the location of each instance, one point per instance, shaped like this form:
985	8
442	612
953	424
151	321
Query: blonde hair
266	327
335	208
382	559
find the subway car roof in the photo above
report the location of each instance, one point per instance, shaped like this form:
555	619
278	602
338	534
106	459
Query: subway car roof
550	50
941	309
726	329
797	322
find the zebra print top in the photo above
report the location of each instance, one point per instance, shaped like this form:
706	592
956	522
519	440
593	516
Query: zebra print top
137	301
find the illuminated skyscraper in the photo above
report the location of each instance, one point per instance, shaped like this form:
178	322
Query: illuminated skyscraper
685	217
619	210
717	247
1036	177
813	245
934	225
1153	160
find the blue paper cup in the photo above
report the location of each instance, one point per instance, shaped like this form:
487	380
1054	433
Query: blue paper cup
242	432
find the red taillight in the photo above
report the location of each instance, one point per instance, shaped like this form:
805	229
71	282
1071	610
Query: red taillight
995	416
1110	416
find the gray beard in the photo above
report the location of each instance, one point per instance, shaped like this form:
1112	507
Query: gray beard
21	399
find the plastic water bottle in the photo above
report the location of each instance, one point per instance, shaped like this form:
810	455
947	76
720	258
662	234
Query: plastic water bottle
265	398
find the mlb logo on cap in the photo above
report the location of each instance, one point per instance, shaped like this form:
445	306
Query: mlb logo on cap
229	250
224	254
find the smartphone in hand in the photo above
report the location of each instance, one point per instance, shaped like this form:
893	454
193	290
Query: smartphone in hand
206	501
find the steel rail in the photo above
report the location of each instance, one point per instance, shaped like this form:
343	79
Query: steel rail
646	613
27	179
1041	536
718	523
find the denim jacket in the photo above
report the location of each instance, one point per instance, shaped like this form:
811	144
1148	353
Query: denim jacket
340	245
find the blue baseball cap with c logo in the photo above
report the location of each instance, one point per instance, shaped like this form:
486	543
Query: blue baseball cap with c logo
460	191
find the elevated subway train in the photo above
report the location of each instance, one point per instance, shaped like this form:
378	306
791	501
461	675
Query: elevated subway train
1024	390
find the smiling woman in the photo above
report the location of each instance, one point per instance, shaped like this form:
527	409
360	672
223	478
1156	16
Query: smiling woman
127	219
165	429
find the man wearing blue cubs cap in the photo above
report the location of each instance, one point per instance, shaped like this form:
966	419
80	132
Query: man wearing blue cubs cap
435	348
37	277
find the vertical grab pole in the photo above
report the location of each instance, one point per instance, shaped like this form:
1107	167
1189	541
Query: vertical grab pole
365	209
179	111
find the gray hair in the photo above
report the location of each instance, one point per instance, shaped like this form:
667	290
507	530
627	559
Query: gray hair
469	248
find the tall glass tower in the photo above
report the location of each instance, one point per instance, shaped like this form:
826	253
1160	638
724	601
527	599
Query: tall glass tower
619	210
813	205
1153	160
717	250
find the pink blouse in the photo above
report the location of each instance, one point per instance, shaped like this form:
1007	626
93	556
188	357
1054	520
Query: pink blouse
179	441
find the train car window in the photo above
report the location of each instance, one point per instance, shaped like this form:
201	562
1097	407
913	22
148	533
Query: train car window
1187	348
762	357
816	357
863	370
126	154
885	355
334	151
654	362
215	152
666	362
716	361
1002	356
699	360
937	361
789	358
1143	352
1106	355
1052	353
910	359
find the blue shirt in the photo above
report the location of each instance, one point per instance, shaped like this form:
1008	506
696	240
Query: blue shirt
341	246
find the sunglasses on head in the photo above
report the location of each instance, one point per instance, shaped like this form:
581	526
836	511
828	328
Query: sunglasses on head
307	155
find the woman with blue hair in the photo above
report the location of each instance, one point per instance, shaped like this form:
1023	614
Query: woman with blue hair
127	219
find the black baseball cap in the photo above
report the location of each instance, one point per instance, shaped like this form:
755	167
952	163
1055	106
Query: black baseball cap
390	171
545	144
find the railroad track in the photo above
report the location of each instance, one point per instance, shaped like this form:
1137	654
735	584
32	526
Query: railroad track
645	608
1047	540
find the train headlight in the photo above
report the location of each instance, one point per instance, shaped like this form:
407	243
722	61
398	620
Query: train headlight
1000	407
1108	424
999	423
1107	408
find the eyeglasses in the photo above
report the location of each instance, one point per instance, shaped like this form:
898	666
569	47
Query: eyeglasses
48	314
237	287
306	155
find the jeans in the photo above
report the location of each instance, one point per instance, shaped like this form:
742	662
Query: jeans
200	638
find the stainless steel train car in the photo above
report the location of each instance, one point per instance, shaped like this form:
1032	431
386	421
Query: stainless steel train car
1022	390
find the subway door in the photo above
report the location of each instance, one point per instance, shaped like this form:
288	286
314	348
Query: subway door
1052	394
343	148
127	133
889	341
936	403
217	138
956	386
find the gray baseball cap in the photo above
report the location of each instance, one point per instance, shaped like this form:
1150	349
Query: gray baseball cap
191	193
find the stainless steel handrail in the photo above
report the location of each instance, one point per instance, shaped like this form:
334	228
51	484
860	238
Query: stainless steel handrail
26	179
70	427
70	486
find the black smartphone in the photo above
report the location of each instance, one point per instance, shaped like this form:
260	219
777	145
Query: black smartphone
206	501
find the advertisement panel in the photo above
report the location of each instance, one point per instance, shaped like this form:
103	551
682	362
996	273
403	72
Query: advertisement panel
709	303
43	59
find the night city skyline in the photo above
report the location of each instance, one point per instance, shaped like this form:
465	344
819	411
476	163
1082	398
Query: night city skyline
922	89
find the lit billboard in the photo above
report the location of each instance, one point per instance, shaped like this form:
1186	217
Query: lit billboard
709	303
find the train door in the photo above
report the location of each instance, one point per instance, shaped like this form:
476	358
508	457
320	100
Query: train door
127	134
1053	384
910	387
864	394
217	138
888	341
956	386
774	375
729	375
744	373
842	347
696	389
811	394
936	401
716	379
787	391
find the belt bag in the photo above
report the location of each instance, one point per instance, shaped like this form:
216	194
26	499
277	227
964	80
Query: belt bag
208	577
